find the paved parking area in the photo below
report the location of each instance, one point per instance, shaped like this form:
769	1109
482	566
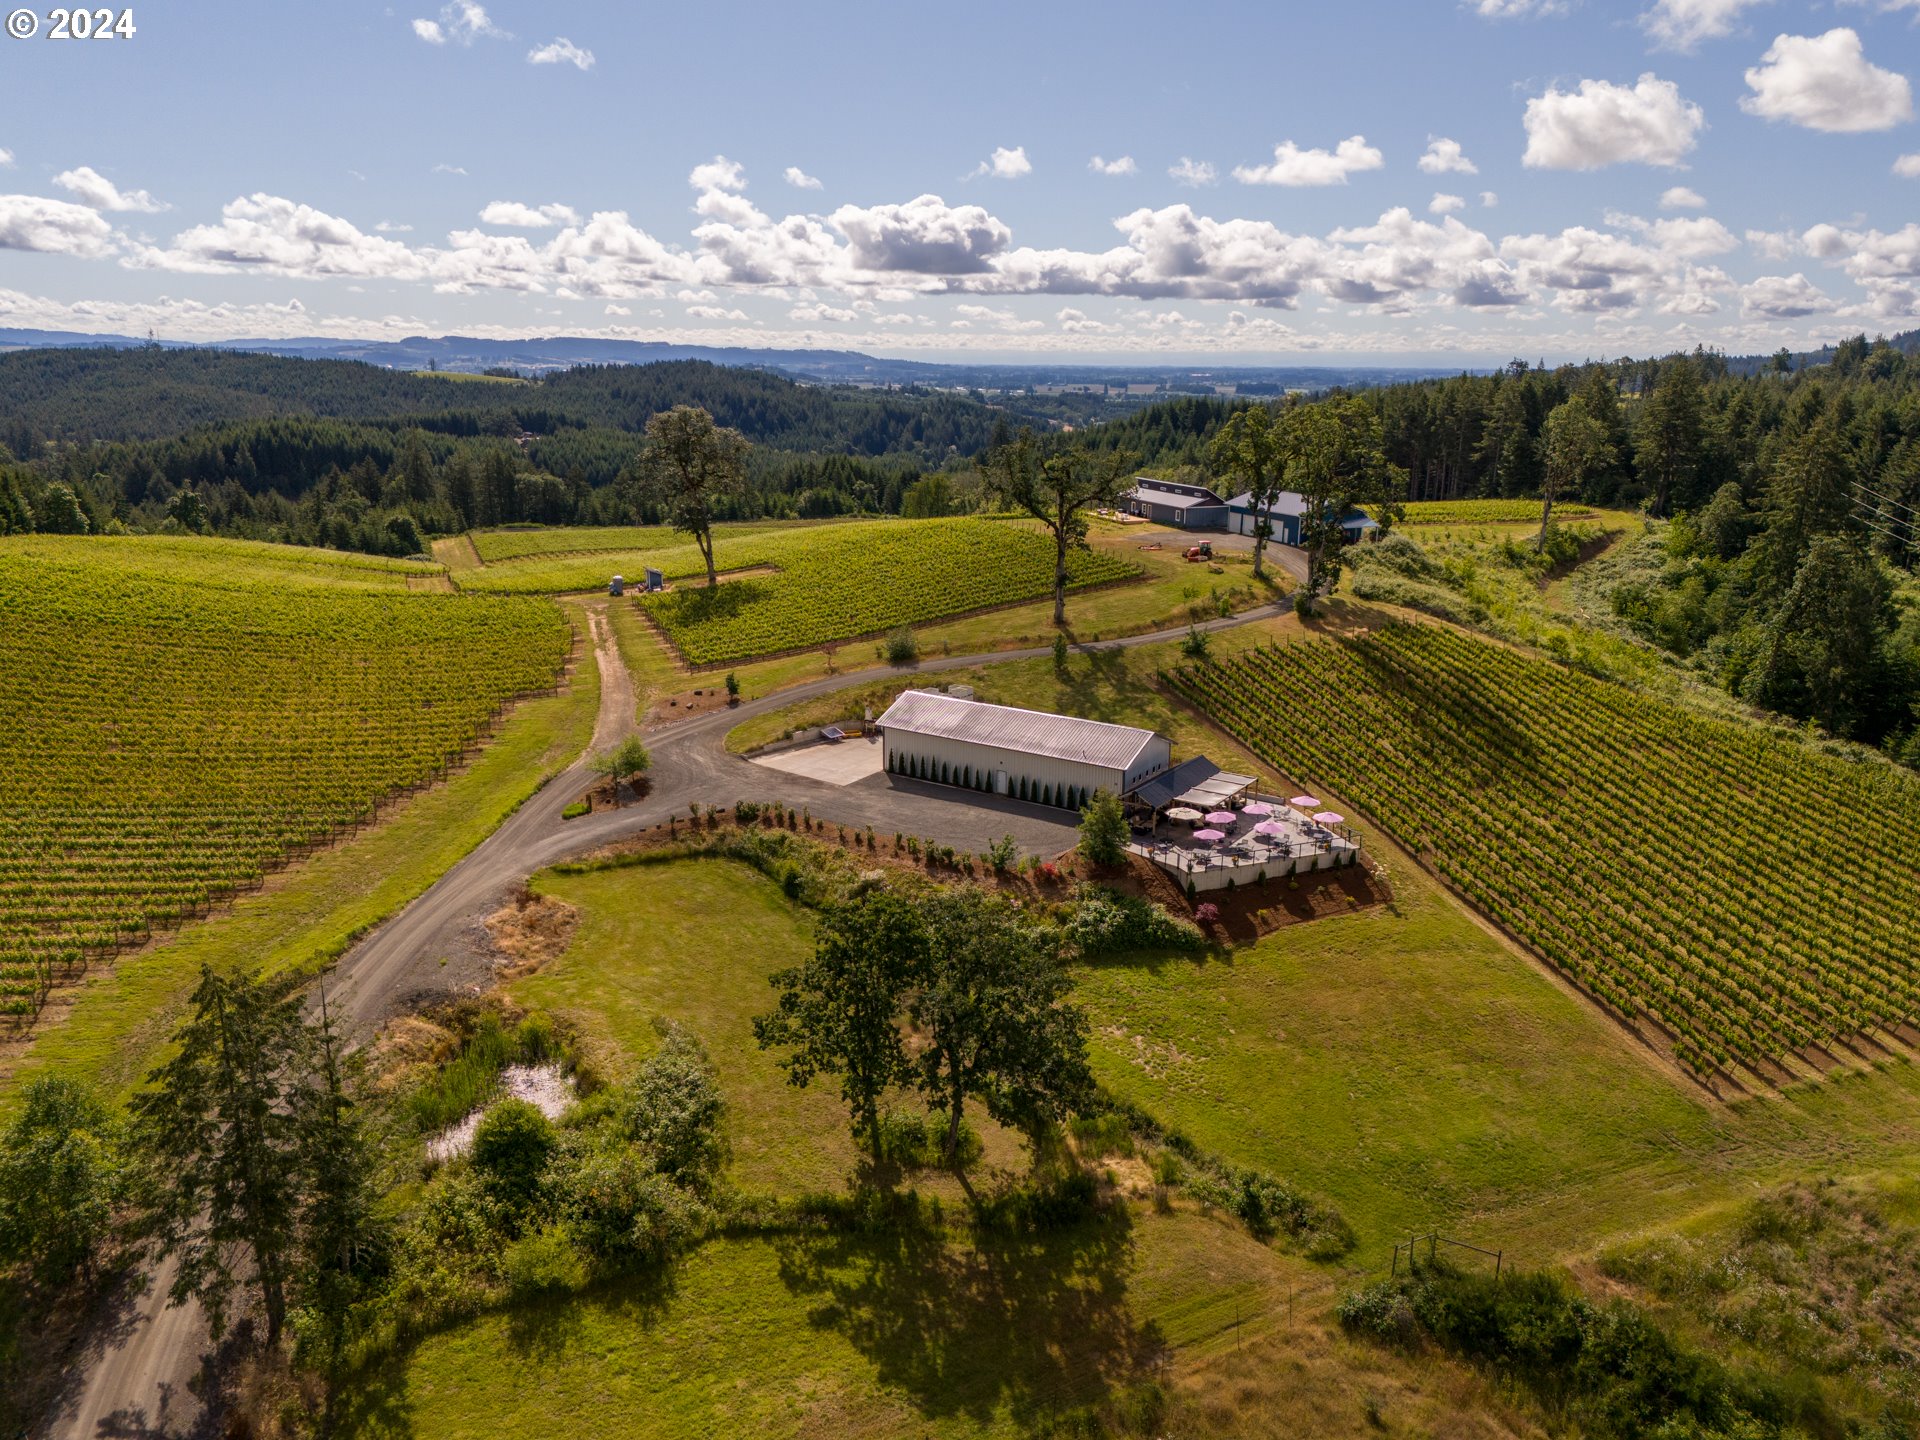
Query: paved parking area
834	764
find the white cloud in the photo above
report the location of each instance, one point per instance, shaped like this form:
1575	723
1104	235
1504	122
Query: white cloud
561	51
54	227
1683	24
1681	197
1606	124
1907	167
514	215
1005	164
1772	244
1696	236
1489	199
1826	82
1444	204
800	180
1294	166
390	227
445	169
90	187
1784	297
1444	157
462	22
1193	173
715	312
1518	9
814	314
619	310
6	158
1123	166
1698	291
718	173
280	237
925	236
1589	270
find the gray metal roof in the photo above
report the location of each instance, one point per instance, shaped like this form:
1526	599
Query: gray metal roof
1170	501
1032	732
1291	502
1159	791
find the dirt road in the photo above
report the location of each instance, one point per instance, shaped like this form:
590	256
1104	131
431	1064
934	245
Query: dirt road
138	1376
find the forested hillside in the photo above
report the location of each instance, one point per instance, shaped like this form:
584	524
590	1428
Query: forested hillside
355	456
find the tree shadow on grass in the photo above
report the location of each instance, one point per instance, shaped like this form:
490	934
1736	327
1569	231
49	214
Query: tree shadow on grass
377	1402
547	1327
1028	1324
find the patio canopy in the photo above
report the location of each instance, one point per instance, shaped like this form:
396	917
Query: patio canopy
1214	792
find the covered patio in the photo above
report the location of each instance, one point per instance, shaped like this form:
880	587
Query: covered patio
1208	827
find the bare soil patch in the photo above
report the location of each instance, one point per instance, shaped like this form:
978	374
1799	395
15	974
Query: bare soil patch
689	703
600	796
1248	912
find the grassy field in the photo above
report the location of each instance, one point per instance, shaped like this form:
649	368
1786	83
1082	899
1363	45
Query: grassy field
946	1335
107	1027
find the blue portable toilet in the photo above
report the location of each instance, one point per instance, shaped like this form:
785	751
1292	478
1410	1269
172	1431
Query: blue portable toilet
617	586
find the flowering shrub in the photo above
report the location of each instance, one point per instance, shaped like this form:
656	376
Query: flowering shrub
1206	912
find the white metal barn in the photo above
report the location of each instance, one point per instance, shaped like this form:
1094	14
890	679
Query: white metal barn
1025	754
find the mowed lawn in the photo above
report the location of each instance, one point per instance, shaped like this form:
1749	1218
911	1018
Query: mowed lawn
847	1335
694	943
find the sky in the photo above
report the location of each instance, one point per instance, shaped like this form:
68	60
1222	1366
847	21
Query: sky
1393	180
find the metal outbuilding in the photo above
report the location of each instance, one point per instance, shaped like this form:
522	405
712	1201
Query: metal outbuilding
1025	754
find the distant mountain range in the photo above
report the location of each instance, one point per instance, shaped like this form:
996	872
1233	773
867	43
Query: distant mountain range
843	367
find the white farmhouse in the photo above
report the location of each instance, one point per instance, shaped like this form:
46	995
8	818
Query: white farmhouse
1025	754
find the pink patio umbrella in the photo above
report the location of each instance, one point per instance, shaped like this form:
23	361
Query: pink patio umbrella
1221	817
1327	817
1303	802
1256	807
1209	834
1269	827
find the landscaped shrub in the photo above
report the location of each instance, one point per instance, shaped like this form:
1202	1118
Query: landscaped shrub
1105	922
901	648
622	1209
543	1263
511	1149
672	1108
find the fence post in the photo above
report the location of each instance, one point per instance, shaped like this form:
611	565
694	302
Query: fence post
1498	1256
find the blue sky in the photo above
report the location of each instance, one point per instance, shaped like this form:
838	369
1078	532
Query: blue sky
1434	180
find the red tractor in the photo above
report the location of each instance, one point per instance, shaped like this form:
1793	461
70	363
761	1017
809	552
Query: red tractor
1202	551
